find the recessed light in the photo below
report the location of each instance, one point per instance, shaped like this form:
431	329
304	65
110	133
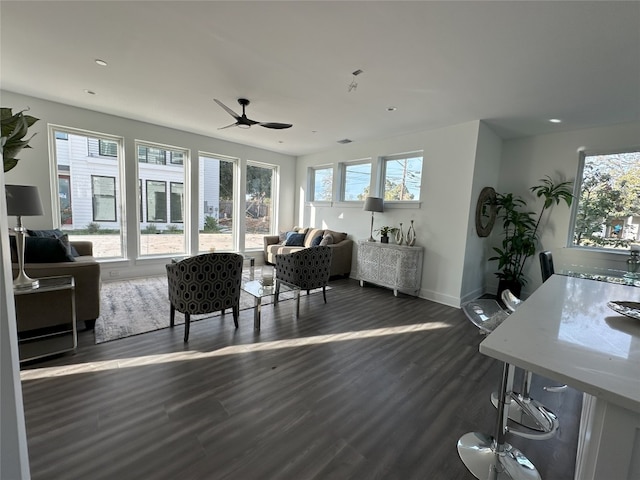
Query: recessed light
90	92
391	109
555	120
102	63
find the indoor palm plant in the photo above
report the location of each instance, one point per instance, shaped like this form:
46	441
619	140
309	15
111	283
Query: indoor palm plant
520	230
12	141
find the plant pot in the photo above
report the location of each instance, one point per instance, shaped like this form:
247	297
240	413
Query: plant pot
384	239
515	287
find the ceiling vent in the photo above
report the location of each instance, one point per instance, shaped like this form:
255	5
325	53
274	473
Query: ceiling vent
345	140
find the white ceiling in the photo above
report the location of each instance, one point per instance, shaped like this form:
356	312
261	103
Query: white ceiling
514	64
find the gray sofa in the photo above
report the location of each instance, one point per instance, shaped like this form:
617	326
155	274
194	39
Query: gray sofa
341	248
86	273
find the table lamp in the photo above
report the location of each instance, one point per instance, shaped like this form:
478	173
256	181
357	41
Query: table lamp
22	200
373	204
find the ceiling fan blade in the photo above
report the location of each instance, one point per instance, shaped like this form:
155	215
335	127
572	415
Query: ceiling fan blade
278	126
228	110
228	126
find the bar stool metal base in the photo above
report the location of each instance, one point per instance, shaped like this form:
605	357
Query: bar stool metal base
540	422
479	453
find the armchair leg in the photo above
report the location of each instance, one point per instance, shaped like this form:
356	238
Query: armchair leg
187	322
172	316
277	294
324	293
236	313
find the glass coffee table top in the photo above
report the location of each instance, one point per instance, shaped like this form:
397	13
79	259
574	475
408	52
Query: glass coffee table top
260	289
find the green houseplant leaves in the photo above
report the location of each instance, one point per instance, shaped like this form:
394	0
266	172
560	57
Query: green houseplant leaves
520	227
14	128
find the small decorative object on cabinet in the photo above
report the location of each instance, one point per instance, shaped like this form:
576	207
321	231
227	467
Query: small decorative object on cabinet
400	235
411	235
393	266
384	233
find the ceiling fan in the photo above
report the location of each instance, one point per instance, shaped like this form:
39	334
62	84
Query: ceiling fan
244	122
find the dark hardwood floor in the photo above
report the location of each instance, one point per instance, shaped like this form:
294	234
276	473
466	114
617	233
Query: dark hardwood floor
368	386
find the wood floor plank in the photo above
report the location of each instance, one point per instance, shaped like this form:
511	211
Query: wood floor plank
366	386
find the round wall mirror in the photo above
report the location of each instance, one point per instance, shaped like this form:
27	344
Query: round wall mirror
486	210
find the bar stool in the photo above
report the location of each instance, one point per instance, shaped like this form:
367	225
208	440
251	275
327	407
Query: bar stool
536	420
488	457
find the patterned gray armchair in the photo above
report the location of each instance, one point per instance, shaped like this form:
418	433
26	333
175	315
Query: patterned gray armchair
204	284
305	269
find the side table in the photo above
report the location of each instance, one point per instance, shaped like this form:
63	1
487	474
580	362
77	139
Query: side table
54	298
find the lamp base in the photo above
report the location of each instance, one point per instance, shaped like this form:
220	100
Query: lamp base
23	282
371	239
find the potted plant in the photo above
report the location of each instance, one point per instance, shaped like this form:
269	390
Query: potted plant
520	231
14	129
384	233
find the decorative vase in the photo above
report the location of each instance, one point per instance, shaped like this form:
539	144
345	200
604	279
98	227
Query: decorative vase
384	239
411	235
515	287
399	235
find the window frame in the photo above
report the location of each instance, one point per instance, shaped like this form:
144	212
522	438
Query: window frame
146	188
577	188
312	180
343	170
171	209
94	198
382	176
275	198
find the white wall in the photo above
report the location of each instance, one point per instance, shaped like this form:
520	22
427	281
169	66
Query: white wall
33	168
14	460
478	249
526	160
442	220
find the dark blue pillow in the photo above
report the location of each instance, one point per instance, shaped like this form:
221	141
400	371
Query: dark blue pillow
295	239
55	233
316	241
44	250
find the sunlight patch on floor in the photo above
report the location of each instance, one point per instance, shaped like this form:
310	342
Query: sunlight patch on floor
101	366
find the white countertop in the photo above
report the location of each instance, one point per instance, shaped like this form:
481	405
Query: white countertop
566	332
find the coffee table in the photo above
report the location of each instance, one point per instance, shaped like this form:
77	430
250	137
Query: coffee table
259	289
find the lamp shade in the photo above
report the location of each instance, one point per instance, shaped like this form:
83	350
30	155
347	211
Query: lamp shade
23	200
373	204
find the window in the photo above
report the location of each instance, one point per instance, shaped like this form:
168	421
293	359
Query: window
217	212
356	180
107	148
64	192
88	204
164	199
321	184
175	202
607	211
156	201
259	205
103	191
402	177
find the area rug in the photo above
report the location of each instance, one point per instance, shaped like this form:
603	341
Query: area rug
131	307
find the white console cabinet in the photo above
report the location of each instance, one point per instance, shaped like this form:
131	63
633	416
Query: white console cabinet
397	267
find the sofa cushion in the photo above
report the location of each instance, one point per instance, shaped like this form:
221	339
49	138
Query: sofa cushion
294	240
337	236
55	233
326	240
312	234
44	250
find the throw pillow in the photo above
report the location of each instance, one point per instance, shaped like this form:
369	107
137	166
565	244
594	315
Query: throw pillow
316	241
294	240
337	236
326	240
55	233
44	250
282	237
